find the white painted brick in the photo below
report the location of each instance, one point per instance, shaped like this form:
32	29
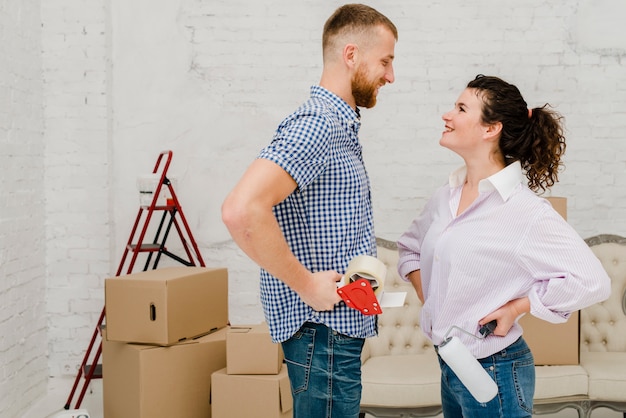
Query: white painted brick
22	258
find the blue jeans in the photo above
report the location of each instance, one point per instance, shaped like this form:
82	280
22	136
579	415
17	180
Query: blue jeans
325	372
513	370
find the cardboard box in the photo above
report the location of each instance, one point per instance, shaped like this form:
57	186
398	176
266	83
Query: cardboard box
237	395
167	305
148	381
559	204
250	350
553	344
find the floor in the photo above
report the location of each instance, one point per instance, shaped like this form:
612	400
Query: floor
58	392
52	405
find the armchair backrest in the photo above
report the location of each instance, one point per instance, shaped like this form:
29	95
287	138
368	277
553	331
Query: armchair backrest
603	325
398	328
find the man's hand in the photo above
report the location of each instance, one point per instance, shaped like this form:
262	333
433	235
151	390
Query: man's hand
320	291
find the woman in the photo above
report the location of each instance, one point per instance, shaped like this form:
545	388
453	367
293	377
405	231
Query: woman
486	247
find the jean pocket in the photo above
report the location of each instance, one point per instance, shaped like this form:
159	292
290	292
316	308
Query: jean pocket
524	379
298	352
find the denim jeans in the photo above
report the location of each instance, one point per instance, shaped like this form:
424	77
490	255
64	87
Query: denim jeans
325	372
513	370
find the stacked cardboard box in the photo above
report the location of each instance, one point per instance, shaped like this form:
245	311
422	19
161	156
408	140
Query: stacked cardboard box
553	344
255	372
165	336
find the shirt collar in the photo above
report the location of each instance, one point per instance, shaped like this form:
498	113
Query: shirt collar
342	107
504	181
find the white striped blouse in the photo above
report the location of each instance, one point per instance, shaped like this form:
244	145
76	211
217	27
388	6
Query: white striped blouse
509	243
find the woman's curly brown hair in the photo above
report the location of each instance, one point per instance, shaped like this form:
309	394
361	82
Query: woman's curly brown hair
534	137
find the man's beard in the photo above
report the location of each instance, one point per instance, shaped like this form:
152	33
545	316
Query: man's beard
364	90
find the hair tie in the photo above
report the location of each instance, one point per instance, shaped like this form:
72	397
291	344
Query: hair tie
530	113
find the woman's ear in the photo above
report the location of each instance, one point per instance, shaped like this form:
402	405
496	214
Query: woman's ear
493	130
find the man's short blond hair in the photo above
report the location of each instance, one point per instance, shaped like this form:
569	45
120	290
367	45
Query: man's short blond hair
355	21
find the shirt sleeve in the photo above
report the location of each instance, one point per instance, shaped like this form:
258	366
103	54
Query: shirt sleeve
567	275
300	146
410	242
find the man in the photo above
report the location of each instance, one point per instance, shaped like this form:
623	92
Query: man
302	211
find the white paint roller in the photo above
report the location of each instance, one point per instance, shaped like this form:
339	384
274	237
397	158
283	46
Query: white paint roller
468	369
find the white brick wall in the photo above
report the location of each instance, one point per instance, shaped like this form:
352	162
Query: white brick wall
211	80
77	172
23	363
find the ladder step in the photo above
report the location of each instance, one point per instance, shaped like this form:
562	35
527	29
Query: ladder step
97	373
146	247
160	207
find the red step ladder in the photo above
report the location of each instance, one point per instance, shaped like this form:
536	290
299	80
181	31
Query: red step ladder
171	216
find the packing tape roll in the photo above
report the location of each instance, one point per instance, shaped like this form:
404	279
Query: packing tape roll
369	268
469	371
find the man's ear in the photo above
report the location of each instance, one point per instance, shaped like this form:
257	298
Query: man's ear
350	55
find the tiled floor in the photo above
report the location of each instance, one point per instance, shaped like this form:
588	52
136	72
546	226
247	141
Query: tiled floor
59	390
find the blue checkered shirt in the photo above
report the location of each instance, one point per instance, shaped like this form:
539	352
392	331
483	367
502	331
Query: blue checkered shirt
327	220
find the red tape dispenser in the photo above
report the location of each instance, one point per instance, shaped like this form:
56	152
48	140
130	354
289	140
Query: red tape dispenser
360	296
